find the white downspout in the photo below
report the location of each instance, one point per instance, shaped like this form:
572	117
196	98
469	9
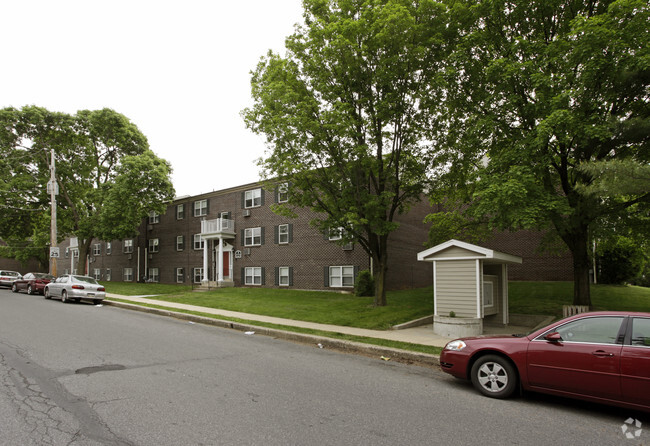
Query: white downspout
205	260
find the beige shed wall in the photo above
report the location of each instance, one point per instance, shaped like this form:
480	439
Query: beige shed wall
456	287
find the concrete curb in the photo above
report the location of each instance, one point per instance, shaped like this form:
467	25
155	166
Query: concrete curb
373	351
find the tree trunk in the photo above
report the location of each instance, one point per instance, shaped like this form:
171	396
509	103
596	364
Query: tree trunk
380	273
84	251
581	264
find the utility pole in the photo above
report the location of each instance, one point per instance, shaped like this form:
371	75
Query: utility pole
53	187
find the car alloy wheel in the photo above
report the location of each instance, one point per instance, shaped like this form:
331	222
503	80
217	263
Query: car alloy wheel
46	293
494	376
14	288
64	297
30	291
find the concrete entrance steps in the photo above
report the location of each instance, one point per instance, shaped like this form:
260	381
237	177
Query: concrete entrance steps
207	286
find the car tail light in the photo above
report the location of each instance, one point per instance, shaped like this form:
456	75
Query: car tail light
101	288
77	287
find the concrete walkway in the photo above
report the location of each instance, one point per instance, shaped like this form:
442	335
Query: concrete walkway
418	335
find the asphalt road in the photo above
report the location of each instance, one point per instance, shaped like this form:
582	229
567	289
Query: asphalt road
78	374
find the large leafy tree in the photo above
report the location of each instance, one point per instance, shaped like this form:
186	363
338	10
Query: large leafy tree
343	117
107	177
538	89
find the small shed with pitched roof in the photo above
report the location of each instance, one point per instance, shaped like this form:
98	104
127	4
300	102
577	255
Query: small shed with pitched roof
470	286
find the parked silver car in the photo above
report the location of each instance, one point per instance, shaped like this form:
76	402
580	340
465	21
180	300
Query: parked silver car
76	288
7	277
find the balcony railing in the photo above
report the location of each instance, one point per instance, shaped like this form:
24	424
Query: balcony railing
218	226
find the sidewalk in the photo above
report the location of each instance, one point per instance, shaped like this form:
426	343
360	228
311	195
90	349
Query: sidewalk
422	335
419	335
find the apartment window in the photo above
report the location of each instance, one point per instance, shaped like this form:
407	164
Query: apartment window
180	242
283	193
341	276
488	293
97	273
200	208
253	275
197	273
108	274
199	243
180	211
180	275
253	198
284	234
128	246
154	218
109	247
67	253
97	249
128	274
336	233
154	245
154	275
284	276
252	237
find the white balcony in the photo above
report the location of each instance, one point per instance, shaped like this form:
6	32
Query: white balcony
219	227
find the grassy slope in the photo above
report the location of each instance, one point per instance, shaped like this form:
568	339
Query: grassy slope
405	305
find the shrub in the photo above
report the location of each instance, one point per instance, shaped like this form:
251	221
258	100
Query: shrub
365	284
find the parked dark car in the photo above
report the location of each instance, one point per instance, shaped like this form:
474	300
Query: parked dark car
7	277
33	283
75	288
602	357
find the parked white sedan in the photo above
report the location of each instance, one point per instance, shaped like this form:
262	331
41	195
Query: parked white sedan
76	288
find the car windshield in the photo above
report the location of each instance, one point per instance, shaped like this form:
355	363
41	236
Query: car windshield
85	279
43	276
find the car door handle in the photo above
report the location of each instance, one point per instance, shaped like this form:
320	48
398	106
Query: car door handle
602	354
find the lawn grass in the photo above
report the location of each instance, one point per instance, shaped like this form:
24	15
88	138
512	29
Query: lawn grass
546	298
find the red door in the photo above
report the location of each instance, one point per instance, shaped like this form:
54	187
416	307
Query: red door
226	264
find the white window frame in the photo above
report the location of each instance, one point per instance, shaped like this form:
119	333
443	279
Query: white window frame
109	248
253	198
97	249
180	275
253	275
128	246
197	272
127	274
199	243
488	293
180	211
336	233
253	236
283	193
154	274
283	234
97	273
283	275
154	245
180	242
201	208
154	218
108	274
339	275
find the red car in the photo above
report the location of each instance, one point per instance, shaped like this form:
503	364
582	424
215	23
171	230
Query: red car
33	283
602	357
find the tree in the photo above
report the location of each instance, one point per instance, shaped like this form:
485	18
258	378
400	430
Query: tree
343	118
108	178
537	89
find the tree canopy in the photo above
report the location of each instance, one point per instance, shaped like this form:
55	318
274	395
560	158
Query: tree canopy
537	92
108	179
343	116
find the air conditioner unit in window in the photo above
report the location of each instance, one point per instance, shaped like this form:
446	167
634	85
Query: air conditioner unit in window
348	247
246	213
247	251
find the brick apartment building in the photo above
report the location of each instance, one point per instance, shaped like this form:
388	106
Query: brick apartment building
231	237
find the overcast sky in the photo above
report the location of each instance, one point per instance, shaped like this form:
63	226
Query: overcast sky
179	70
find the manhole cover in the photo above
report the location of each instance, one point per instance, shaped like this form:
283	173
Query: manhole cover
99	368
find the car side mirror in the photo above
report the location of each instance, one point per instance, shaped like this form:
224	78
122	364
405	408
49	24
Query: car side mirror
553	337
